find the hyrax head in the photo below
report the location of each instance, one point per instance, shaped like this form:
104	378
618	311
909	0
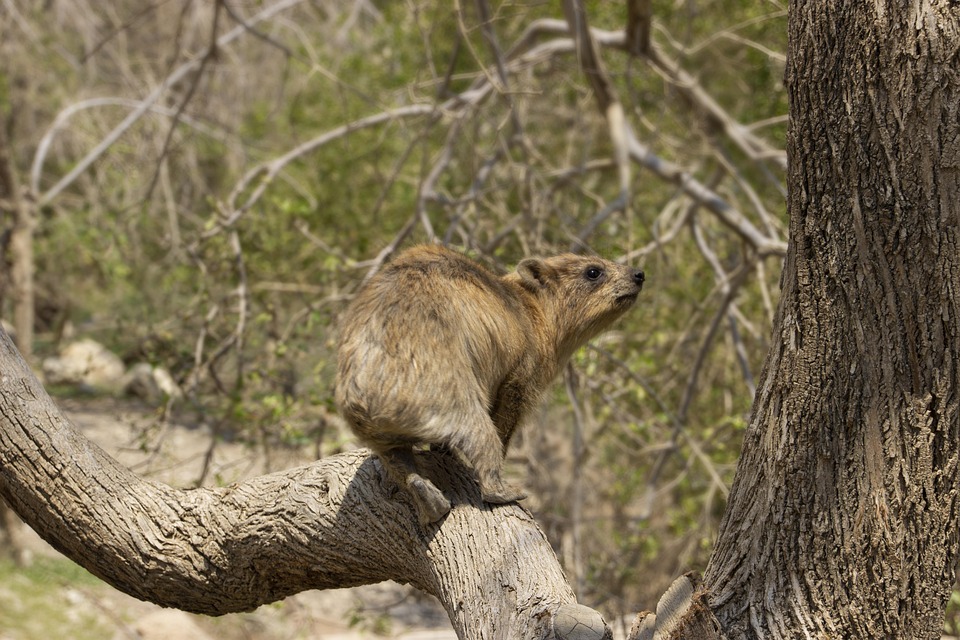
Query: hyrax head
580	296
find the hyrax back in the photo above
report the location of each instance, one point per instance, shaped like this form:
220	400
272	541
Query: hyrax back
436	349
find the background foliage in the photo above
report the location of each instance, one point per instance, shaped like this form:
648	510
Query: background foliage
181	245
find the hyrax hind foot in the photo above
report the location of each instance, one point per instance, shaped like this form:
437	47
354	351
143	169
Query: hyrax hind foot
430	502
432	505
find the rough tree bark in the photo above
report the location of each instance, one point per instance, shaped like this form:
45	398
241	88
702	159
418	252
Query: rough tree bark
331	524
842	520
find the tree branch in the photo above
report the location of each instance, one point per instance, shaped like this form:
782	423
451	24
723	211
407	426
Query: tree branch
603	91
524	52
210	55
707	198
753	146
335	523
269	170
639	20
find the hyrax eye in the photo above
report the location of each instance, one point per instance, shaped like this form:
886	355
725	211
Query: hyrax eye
593	273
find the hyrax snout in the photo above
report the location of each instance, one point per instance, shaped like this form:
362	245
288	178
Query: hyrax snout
436	349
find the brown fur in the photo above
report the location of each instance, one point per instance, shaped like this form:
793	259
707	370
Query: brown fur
436	349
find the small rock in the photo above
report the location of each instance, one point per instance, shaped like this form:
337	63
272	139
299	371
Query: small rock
153	384
85	362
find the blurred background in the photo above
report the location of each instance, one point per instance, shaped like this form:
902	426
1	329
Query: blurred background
192	191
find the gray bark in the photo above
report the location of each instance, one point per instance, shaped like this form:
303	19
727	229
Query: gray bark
334	523
842	521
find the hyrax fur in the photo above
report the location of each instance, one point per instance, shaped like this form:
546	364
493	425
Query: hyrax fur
436	349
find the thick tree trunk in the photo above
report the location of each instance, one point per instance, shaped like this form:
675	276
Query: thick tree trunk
842	521
335	523
21	275
20	246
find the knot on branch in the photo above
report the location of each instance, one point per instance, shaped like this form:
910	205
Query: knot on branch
576	622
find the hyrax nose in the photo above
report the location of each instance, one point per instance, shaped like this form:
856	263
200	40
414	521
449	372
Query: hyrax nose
638	277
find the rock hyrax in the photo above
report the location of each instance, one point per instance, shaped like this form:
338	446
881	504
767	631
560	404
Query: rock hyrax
436	349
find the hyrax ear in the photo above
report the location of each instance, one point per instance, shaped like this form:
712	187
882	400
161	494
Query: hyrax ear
535	273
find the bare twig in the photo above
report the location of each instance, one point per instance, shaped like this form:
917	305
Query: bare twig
580	239
687	85
243	304
678	430
730	33
267	171
603	91
254	32
726	213
679	223
145	105
395	172
587	54
142	13
639	20
723	280
490	35
467	202
465	38
741	352
768	222
486	28
170	205
526	53
576	482
209	55
62	118
193	377
391	248
479	91
729	286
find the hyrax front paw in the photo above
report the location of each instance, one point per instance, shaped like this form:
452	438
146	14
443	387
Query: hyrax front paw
502	493
431	504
